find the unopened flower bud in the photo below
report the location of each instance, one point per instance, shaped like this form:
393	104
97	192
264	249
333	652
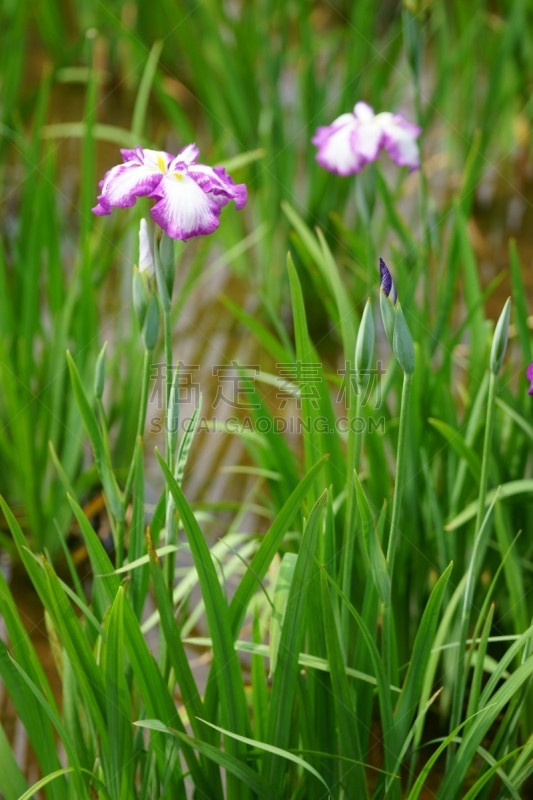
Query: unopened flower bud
499	341
394	322
387	284
364	347
146	261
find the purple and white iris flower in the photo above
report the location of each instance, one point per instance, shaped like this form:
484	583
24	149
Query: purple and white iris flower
189	196
529	376
356	139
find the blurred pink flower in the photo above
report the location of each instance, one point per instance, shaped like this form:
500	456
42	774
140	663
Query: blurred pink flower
355	139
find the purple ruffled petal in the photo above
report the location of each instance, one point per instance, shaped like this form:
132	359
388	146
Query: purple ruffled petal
137	177
188	154
131	155
183	209
123	184
336	151
216	182
399	139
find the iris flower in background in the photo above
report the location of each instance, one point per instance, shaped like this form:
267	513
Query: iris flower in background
529	376
356	139
189	196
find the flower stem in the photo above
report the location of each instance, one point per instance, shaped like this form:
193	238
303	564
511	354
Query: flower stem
489	426
147	364
387	621
121	527
400	472
354	454
475	563
169	513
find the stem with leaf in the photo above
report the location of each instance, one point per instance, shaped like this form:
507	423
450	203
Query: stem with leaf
499	346
400	472
147	365
165	271
364	351
401	341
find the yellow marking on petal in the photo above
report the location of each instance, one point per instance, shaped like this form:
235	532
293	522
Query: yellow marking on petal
178	176
161	163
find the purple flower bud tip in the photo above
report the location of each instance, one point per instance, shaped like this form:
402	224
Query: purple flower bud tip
529	376
387	284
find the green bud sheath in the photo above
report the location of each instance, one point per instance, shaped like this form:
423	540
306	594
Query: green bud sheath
141	295
160	277
168	267
150	329
499	341
402	343
388	315
99	374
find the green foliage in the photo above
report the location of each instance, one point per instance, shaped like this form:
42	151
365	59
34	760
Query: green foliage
388	597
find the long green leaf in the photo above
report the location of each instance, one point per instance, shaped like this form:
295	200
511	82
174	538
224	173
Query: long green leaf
284	684
154	691
353	776
229	680
378	562
279	605
506	490
120	783
456	773
103	466
44	782
387	720
455	439
231	764
12	782
425	636
275	751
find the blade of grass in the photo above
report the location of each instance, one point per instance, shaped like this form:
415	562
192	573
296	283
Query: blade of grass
231	764
274	752
284	684
353	776
230	686
12	781
121	778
